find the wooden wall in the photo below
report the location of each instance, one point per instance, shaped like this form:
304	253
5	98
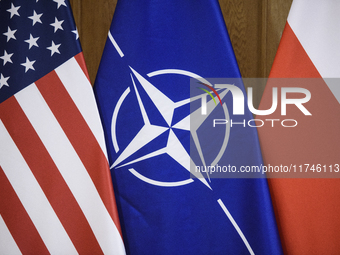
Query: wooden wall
255	28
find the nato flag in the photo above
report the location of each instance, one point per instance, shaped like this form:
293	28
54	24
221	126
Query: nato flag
143	89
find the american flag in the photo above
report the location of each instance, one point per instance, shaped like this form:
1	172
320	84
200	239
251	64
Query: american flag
56	195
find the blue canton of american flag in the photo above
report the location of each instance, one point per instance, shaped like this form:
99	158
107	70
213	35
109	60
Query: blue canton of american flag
35	38
56	194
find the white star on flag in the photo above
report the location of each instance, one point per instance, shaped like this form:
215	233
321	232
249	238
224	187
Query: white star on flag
3	81
32	41
28	65
13	10
10	34
54	48
57	25
6	57
35	18
149	132
60	2
76	33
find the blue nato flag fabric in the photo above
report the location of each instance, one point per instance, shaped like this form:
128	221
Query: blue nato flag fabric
143	91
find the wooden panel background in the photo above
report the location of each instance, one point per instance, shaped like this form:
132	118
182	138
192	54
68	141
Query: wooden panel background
255	28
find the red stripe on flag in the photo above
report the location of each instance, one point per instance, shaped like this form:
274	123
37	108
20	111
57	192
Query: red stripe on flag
17	220
49	178
81	138
296	63
81	62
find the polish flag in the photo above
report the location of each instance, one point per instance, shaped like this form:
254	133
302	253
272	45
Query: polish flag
307	209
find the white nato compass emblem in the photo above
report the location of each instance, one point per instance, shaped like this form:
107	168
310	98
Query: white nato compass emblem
166	107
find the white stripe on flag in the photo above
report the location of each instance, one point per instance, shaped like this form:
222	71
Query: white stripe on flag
7	244
239	231
80	90
115	44
316	25
71	168
32	197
